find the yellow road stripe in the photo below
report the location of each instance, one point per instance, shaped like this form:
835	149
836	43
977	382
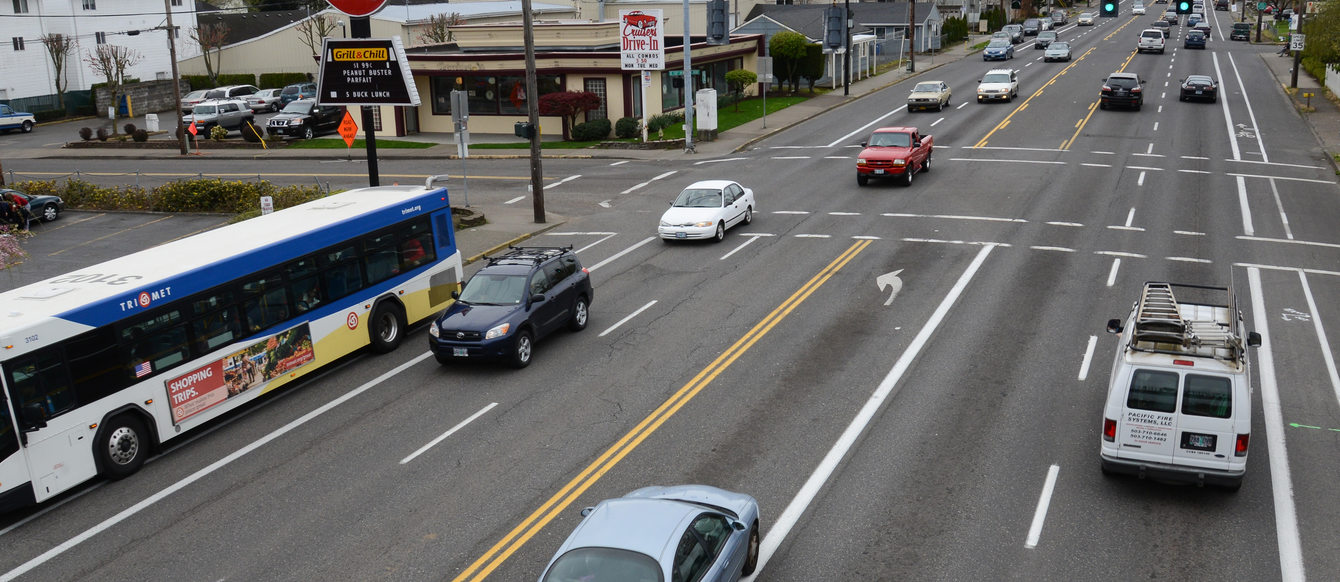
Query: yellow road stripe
1065	145
536	521
1022	106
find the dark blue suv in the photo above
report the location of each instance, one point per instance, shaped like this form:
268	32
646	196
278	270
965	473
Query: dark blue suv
514	301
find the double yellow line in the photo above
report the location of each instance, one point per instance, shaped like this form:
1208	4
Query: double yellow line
1024	105
1079	126
560	501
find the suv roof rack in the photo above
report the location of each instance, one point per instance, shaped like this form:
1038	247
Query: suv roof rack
1202	329
527	255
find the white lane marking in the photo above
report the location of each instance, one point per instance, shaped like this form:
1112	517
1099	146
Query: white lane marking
1146	168
1189	260
649	181
1140	181
957	242
866	237
1281	483
567	179
1246	209
1057	249
844	213
1256	128
207	470
814	236
1058	223
1088	358
1006	161
952	216
790	212
1193	171
1160	110
1103	153
1271	164
578	233
1163	95
444	435
787	519
619	163
1120	254
1112	275
1156	126
1263	176
620	254
1228	117
962	105
718	160
790	157
1198	158
626	319
1096	165
1189	232
607	237
517	199
866	126
937	122
1130	216
1131	228
795	147
738	247
1290	241
1044	501
1279	268
1284	218
1017	149
837	157
1321	336
1148	155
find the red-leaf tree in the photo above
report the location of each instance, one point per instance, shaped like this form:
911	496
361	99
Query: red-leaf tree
568	104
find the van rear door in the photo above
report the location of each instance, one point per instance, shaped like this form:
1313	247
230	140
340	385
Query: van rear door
1147	428
1205	427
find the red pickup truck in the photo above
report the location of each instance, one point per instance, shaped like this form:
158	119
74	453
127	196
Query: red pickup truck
894	152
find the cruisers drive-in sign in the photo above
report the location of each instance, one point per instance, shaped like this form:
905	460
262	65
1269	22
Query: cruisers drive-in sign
641	40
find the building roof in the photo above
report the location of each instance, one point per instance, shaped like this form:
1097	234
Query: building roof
468	10
808	19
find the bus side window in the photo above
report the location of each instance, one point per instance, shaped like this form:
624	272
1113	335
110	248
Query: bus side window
341	273
95	365
306	294
216	328
41	388
264	303
156	343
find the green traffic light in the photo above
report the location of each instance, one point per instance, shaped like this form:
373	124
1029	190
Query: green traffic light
1110	7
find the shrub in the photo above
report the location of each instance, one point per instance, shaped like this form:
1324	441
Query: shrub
237	79
85	133
103	134
140	135
593	130
218	133
658	123
274	80
627	127
129	128
251	133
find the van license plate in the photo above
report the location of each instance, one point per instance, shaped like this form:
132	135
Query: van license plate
459	352
1198	442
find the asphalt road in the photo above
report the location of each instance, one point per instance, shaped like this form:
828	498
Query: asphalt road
945	430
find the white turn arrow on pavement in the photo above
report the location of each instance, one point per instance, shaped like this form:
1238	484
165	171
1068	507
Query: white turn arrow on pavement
888	280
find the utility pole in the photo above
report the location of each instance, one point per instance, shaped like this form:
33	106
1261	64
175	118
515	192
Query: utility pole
176	81
912	36
846	48
533	111
688	83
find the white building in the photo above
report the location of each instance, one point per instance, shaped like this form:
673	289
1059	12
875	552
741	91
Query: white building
27	76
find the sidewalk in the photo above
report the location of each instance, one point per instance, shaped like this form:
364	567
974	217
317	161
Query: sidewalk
1324	118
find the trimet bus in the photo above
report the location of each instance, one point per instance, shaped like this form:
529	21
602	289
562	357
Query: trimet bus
101	365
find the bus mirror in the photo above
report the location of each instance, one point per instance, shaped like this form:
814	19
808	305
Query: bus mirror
34	416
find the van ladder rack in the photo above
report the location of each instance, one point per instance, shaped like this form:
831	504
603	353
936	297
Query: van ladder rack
1158	317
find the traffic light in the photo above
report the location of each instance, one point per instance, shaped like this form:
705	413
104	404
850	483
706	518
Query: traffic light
1109	8
716	22
834	33
1184	6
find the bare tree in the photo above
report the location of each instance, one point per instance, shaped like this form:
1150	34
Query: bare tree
60	48
439	28
211	37
111	61
312	30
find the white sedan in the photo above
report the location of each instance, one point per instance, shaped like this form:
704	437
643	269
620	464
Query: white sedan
706	209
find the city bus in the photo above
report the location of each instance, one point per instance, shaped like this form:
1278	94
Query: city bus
101	366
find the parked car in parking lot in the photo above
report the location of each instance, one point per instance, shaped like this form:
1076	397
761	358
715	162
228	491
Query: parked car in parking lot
305	119
517	299
190	100
296	91
1199	88
230	114
682	533
232	92
10	120
264	100
43	207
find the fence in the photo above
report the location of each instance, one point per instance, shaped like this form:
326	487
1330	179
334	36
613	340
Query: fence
75	102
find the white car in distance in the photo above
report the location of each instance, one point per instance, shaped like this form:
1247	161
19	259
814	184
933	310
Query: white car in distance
706	209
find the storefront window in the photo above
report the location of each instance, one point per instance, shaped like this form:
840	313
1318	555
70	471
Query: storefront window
490	94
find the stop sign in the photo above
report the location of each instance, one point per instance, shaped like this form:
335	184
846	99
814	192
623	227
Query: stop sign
357	7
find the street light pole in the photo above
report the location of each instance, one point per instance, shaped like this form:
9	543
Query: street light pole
688	83
176	81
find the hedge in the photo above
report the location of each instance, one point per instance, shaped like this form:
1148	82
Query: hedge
184	196
280	80
627	127
592	130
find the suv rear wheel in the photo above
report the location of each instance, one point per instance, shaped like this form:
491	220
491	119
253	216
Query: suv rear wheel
580	313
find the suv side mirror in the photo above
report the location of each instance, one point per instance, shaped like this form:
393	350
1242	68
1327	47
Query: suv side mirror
862	144
1114	326
1253	340
455	294
536	298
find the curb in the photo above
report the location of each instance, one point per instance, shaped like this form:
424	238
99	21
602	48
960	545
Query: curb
511	242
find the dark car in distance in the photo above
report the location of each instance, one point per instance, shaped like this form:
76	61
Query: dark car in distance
305	119
1122	89
517	299
1199	88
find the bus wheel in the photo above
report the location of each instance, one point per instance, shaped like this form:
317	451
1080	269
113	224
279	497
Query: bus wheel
123	447
387	327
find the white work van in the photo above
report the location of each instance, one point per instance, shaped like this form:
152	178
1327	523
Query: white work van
1179	401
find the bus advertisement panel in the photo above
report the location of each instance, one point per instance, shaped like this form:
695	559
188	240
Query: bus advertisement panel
250	367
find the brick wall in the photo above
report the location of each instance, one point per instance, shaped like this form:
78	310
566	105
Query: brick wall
146	97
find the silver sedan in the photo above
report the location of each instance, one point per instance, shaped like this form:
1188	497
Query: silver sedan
1057	51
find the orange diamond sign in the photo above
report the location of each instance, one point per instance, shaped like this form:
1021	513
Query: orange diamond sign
348	129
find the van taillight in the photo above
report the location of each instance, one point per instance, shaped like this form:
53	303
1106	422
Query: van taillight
1110	430
1184	363
1241	449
